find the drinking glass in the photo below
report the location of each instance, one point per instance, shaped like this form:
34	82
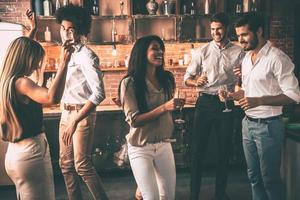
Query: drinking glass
179	99
203	73
224	91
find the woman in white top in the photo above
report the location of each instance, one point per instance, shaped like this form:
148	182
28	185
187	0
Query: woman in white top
146	94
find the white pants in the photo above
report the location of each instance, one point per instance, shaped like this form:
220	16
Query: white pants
153	168
28	164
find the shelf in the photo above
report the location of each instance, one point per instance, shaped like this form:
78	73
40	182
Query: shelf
40	17
154	16
136	22
111	17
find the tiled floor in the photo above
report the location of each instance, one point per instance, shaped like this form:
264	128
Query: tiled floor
121	186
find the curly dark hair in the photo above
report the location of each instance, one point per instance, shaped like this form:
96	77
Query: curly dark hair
77	15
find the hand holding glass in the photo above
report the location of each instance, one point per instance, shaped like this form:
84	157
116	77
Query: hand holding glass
223	92
201	81
179	101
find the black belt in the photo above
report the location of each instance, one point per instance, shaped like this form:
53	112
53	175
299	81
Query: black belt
211	96
259	120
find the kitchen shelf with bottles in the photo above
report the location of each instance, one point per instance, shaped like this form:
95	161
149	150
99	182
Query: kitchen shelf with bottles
182	23
179	26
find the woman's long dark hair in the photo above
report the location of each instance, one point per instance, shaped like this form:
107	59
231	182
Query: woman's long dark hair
137	69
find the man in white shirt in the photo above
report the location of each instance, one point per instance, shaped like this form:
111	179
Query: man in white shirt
211	67
268	82
84	90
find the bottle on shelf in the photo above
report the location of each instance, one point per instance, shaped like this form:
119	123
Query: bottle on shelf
47	35
166	10
47	6
113	31
38	6
186	58
193	11
239	6
192	50
197	30
207	7
184	10
95	10
246	6
65	2
254	6
121	8
57	5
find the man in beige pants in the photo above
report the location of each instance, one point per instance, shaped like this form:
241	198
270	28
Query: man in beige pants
84	90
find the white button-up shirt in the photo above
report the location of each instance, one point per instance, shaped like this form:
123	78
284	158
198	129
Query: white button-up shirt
218	63
84	79
272	74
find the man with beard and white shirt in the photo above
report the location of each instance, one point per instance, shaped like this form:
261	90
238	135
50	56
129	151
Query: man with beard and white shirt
268	82
211	67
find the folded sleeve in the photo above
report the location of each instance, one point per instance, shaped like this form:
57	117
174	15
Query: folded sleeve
284	71
128	100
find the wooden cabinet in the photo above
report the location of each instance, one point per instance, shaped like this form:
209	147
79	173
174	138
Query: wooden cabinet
185	20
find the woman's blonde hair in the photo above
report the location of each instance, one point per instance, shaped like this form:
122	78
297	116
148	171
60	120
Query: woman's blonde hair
22	58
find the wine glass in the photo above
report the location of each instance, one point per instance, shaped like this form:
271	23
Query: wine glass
180	96
223	91
202	74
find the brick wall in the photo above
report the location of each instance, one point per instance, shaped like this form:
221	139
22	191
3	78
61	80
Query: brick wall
282	26
113	74
14	10
281	34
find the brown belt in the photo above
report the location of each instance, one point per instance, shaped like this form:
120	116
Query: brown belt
71	107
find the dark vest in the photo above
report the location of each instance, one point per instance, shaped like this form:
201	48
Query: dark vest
30	117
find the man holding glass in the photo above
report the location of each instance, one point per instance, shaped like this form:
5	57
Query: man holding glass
211	68
268	82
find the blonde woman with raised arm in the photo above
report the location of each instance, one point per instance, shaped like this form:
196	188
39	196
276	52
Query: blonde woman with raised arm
27	160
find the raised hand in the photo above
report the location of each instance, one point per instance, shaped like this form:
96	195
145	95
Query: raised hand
31	20
66	51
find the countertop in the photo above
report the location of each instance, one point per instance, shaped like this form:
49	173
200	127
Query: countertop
293	131
55	111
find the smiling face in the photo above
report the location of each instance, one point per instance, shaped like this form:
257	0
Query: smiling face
247	38
217	31
68	32
155	54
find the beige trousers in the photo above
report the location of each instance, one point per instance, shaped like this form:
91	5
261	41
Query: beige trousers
28	164
75	159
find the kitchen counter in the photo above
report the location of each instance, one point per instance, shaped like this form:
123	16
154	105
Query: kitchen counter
55	111
291	161
293	131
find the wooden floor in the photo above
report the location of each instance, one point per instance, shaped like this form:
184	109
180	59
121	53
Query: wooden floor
121	186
